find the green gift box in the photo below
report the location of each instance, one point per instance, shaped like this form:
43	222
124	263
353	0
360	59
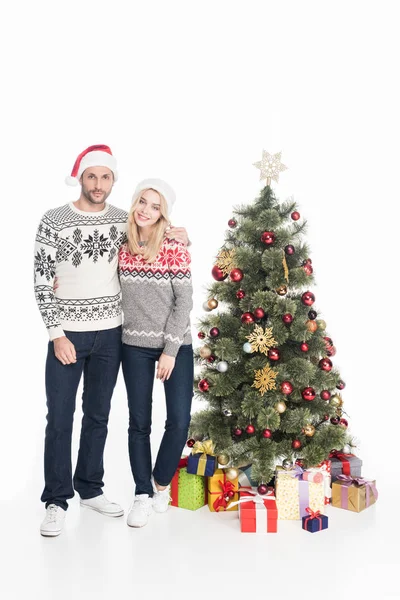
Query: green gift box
187	490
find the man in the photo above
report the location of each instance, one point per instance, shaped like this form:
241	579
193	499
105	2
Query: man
78	244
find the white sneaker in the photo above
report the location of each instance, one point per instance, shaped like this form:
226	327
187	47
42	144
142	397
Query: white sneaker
103	506
141	509
53	521
161	498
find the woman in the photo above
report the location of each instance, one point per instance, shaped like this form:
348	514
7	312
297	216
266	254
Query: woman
156	301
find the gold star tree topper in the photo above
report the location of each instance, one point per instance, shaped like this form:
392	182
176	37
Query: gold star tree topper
270	166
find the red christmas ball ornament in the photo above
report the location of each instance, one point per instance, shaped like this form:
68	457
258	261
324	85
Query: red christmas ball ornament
289	249
201	335
211	358
326	417
287	318
308	270
237	432
308	393
331	350
250	429
308	261
325	364
274	354
232	223
286	388
295	215
267	433
344	422
325	394
335	420
214	332
247	318
262	489
268	238
191	442
236	275
304	347
341	385
203	385
296	444
230	493
240	294
299	462
258	313
308	298
218	274
328	341
312	314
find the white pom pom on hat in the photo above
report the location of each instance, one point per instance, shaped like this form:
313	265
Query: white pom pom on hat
94	156
159	185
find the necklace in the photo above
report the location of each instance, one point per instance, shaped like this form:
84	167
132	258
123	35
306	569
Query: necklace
141	244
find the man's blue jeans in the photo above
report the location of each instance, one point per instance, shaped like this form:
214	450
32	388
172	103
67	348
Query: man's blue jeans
138	365
98	356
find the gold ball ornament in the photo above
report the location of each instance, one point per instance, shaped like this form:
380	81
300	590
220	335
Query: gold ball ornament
223	459
205	351
212	303
231	473
321	324
311	326
280	407
309	430
336	400
281	290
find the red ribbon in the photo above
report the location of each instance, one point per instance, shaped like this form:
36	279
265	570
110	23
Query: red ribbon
342	457
223	499
313	515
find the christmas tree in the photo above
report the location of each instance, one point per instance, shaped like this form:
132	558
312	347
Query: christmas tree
265	369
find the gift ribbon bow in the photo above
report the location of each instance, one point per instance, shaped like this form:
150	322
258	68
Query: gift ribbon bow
347	481
343	459
206	447
297	472
223	499
254	497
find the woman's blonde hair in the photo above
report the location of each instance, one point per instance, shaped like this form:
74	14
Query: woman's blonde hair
150	251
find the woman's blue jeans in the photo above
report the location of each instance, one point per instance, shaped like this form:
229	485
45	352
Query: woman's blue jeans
138	366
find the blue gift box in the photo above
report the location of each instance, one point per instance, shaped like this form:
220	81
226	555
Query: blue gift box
201	464
315	524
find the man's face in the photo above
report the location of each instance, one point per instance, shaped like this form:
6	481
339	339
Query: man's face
97	184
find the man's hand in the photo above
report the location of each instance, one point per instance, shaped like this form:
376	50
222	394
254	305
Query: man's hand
165	367
64	350
179	234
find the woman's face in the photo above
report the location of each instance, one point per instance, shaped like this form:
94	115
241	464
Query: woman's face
147	211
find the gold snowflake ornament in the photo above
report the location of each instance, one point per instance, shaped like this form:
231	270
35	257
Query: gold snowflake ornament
264	379
270	166
226	261
260	340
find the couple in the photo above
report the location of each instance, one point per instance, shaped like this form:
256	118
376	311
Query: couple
93	263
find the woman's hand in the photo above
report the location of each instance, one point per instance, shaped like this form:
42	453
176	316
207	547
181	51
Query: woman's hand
179	234
165	367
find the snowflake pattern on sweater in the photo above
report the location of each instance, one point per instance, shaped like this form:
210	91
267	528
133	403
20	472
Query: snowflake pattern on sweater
81	250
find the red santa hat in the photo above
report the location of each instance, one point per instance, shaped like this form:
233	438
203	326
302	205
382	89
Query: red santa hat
94	156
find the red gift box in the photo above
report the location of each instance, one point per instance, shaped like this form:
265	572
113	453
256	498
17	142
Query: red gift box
257	514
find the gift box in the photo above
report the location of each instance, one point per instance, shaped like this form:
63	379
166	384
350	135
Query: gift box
294	494
187	491
344	464
353	493
202	460
321	472
314	521
246	478
257	514
222	492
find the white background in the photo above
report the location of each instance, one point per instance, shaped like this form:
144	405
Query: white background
192	92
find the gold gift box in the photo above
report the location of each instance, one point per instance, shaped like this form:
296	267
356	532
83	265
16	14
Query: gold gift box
215	490
356	499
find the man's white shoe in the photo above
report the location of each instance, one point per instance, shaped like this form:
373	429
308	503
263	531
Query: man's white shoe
161	498
142	508
53	521
103	506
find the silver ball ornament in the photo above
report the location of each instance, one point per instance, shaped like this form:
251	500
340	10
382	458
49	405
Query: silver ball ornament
247	348
287	464
206	307
222	366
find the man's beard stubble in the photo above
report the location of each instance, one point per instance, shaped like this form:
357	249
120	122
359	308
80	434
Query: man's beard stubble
92	200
